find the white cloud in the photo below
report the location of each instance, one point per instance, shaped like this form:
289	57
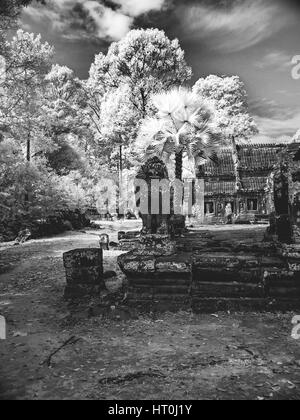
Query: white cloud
270	109
139	7
276	60
243	25
38	13
109	23
275	127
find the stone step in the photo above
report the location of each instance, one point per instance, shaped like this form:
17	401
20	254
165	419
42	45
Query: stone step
167	289
173	306
218	275
281	277
159	302
230	261
225	290
176	297
157	281
283	291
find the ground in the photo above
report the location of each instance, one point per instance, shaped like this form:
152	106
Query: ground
117	355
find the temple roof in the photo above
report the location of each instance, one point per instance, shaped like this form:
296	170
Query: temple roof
249	184
253	158
224	167
256	163
220	188
255	183
262	141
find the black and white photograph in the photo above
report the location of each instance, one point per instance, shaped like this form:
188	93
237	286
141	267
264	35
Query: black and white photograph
149	203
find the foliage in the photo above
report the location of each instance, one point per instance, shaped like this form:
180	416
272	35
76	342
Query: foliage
183	123
145	60
122	82
64	159
9	13
28	62
39	118
59	136
46	191
62	103
229	97
296	137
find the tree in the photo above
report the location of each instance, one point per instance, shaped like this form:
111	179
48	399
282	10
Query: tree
46	191
144	62
228	96
10	9
296	137
9	12
28	62
63	121
64	159
183	124
119	121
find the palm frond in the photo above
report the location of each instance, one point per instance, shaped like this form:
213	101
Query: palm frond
184	122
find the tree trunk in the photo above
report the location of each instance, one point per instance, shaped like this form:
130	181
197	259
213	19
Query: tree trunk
28	158
28	149
179	165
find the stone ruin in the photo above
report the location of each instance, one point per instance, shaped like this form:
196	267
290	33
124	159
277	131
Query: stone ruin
168	273
84	272
153	223
164	224
284	197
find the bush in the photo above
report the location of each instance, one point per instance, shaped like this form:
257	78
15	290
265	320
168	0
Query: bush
59	222
33	196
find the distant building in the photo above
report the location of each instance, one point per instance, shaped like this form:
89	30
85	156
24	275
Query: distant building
249	199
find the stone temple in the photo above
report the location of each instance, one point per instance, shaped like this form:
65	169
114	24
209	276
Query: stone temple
243	185
194	269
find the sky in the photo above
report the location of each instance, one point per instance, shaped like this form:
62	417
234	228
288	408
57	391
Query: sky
254	39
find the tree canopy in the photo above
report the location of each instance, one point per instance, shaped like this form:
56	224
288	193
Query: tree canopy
9	13
229	98
183	123
122	82
60	135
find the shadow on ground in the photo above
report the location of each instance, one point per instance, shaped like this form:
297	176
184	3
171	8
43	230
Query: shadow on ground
120	355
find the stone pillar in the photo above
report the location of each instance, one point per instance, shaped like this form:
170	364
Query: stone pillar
84	272
154	170
104	242
2	328
296	218
281	203
200	199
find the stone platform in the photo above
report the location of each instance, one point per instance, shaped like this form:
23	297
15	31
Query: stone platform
208	272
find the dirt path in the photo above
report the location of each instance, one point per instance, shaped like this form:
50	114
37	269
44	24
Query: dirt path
169	356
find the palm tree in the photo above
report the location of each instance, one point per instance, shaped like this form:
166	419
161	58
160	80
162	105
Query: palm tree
183	126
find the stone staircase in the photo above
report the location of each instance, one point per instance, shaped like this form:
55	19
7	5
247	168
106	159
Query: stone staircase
160	283
208	275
